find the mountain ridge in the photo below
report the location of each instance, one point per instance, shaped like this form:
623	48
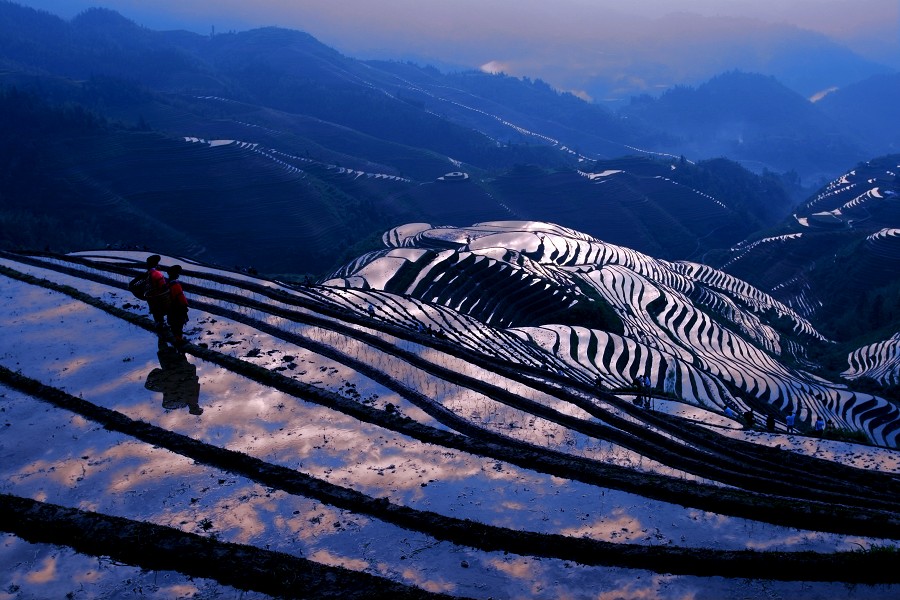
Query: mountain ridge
205	65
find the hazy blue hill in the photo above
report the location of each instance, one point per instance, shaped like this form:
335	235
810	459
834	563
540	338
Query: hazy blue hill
449	203
106	23
492	103
870	107
71	179
97	42
752	119
616	210
25	30
278	68
293	134
740	96
807	62
271	204
291	71
255	55
674	209
764	199
42	202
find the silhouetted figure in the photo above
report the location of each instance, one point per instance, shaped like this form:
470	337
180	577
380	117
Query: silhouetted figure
648	391
748	419
177	380
770	423
157	293
820	426
178	307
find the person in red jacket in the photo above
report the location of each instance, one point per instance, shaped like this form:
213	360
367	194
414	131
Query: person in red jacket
158	294
178	306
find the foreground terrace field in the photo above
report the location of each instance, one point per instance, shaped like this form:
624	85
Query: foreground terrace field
344	444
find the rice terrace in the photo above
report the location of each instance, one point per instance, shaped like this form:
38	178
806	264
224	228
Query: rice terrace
423	422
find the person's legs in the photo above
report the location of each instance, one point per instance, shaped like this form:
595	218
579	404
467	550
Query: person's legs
176	324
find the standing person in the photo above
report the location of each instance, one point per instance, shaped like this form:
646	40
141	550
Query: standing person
789	421
648	387
178	306
157	293
770	423
820	425
748	419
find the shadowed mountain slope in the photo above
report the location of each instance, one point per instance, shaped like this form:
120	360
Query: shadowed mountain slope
837	262
361	146
839	247
287	193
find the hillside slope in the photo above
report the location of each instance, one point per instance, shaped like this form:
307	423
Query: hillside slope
346	426
837	260
254	187
724	342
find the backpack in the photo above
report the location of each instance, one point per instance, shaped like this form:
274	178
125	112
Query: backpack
140	286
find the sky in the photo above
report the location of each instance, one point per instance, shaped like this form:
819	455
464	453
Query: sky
564	42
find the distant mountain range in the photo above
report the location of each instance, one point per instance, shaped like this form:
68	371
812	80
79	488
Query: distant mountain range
807	62
285	205
471	117
762	124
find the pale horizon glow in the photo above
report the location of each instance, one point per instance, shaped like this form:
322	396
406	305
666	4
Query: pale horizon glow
841	19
